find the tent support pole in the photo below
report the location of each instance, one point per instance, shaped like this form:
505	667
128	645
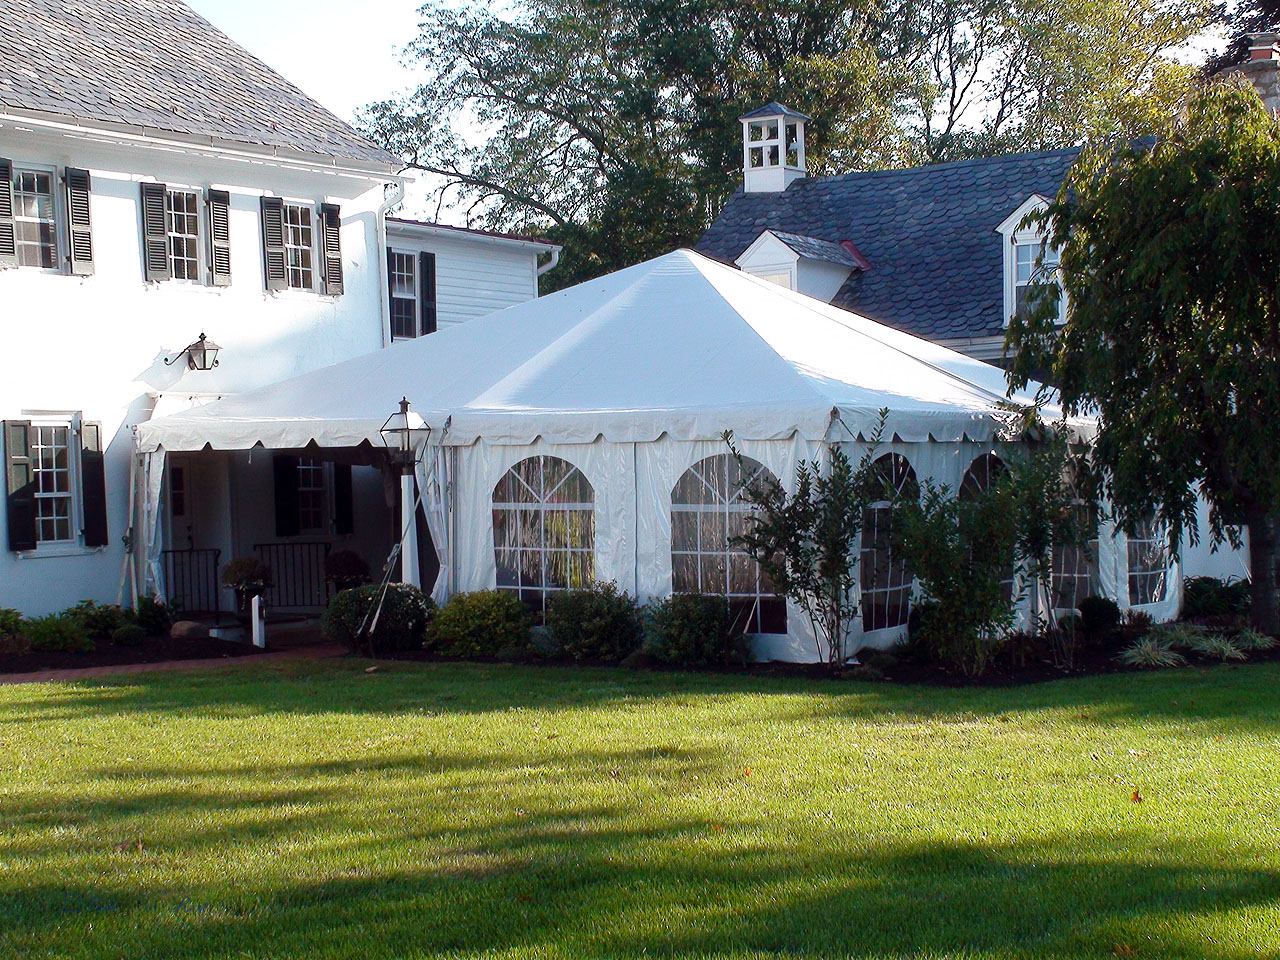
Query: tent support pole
409	572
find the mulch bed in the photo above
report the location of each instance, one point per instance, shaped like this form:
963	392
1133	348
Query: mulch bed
107	654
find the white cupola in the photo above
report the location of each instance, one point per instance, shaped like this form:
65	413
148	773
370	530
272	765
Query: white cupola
772	148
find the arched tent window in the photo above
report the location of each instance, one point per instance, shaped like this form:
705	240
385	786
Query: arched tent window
1075	567
707	508
544	530
1148	563
983	474
886	581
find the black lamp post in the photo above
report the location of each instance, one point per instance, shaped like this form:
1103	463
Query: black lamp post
401	434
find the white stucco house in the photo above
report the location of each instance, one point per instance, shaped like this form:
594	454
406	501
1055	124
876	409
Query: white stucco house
161	188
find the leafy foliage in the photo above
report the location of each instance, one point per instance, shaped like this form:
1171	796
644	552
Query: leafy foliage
346	569
12	639
57	631
1251	641
1099	616
1217	646
806	542
612	126
694	629
365	620
100	622
480	624
153	616
1211	597
246	573
597	623
128	635
1174	292
1151	652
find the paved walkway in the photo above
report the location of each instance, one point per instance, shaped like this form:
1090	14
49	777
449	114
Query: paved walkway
312	651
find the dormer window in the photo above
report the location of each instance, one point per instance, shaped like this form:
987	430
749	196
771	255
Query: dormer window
1029	259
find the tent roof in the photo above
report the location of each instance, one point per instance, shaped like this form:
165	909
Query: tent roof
681	345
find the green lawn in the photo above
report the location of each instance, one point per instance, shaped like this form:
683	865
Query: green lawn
311	810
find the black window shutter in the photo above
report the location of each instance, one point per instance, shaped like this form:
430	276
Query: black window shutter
331	235
79	222
93	485
286	484
20	485
277	275
8	229
155	236
343	503
427	290
220	237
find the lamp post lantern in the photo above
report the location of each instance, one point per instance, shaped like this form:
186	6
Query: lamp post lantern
403	434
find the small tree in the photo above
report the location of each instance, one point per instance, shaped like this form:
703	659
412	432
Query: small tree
1172	272
806	542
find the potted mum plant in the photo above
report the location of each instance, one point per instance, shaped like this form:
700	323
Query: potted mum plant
345	570
249	577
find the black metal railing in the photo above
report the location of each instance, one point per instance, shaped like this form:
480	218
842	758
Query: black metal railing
297	573
191	581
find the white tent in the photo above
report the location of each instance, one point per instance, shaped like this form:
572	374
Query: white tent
631	378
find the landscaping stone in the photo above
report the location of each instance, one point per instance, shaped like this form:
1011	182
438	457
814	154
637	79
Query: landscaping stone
189	630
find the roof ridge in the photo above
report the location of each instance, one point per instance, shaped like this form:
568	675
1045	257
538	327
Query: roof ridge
950	164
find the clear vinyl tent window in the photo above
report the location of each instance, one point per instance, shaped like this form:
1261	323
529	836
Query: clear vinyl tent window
1075	566
1148	563
544	530
886	581
708	507
983	474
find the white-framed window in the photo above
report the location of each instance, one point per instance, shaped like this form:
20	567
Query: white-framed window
707	509
299	245
313	496
886	582
981	477
773	140
1075	566
182	225
54	471
35	217
1148	563
1029	259
404	294
544	529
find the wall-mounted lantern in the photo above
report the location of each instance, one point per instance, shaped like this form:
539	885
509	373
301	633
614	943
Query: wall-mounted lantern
201	355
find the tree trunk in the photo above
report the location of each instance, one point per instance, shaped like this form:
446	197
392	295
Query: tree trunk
1264	611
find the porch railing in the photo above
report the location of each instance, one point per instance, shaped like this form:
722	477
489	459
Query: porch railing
297	573
191	581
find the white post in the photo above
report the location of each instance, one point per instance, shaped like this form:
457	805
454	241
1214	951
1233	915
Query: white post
258	621
409	531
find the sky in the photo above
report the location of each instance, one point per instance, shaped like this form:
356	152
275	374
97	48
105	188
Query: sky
296	39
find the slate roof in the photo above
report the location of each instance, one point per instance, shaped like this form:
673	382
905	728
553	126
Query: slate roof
936	262
772	109
816	249
158	64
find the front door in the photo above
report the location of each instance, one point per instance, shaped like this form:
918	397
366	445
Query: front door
191	572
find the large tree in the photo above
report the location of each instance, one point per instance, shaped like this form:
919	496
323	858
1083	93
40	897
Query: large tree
1171	266
611	124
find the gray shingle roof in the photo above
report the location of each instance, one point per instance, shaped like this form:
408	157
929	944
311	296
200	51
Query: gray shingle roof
936	262
772	109
816	249
157	64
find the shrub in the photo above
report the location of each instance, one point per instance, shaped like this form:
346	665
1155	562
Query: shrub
1211	597
401	623
153	616
1178	636
694	629
346	569
12	639
599	622
58	631
1216	646
1099	616
1150	653
480	624
246	572
1252	641
100	622
1138	621
128	635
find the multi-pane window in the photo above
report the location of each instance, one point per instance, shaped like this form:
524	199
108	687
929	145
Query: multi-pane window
1034	263
299	245
404	295
51	456
182	224
1148	564
1075	565
981	478
34	218
886	581
312	496
707	509
544	529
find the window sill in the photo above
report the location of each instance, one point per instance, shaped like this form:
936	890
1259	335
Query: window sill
296	293
59	550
